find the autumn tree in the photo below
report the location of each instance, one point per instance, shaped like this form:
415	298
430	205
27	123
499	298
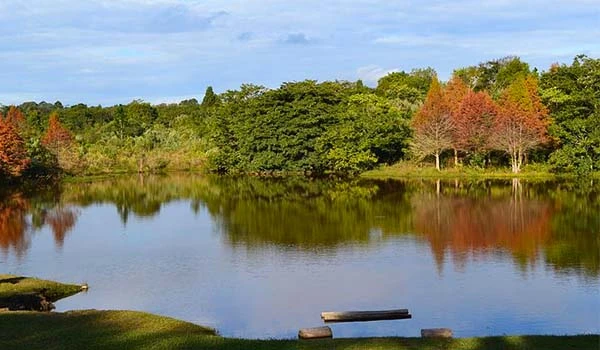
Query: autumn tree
474	121
433	125
454	93
522	121
57	136
15	117
59	141
13	154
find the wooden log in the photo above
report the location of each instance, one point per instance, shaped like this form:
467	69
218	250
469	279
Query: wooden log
436	333
315	333
361	316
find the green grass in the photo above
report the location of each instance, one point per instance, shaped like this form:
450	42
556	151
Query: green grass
93	329
412	170
12	286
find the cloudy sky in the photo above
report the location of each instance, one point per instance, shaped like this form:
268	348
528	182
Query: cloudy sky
109	51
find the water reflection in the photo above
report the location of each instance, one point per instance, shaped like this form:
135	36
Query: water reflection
459	218
21	217
13	223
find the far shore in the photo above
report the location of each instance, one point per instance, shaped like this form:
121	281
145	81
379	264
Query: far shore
408	170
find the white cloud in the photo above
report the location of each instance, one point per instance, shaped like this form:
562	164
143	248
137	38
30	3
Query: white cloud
372	73
86	50
521	43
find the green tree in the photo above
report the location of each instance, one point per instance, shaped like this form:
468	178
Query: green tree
408	87
210	98
493	76
572	93
370	130
140	117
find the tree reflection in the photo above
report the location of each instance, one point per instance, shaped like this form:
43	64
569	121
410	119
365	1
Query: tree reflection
22	214
61	220
464	225
555	221
13	224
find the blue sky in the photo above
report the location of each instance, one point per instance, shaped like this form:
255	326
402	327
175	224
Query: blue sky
109	51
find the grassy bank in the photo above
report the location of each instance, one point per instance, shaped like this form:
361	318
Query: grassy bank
411	170
12	287
92	329
136	330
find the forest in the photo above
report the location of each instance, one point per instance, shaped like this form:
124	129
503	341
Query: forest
497	114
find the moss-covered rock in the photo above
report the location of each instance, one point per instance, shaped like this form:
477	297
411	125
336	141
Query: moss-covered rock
32	294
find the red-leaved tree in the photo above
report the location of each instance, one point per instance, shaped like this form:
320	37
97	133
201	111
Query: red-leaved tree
454	93
433	125
59	141
15	117
57	137
475	121
13	154
522	121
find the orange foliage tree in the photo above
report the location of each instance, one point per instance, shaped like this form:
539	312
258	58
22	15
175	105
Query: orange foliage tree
13	154
60	142
57	137
15	117
454	93
522	121
433	125
474	121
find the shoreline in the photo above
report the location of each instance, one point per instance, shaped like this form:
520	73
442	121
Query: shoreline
398	171
410	171
121	329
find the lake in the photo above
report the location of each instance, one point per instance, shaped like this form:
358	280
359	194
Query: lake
261	258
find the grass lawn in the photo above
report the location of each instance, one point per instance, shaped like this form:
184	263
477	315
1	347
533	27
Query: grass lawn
93	329
411	170
13	286
408	169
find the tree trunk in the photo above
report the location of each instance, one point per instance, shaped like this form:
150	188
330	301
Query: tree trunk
515	160
455	158
520	160
437	161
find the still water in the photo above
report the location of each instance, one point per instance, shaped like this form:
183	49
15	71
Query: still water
262	258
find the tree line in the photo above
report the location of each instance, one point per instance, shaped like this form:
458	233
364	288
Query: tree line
496	114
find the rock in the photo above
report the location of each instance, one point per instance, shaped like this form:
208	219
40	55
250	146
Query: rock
436	333
315	333
30	302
